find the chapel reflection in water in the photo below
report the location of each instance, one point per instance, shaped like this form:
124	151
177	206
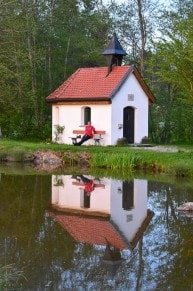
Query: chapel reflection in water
105	212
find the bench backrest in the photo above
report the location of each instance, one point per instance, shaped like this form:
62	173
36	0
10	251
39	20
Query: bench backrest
83	184
79	131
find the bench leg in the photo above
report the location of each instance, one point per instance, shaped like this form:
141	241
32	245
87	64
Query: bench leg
74	140
97	141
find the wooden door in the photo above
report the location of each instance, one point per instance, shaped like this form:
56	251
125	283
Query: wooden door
128	195
128	124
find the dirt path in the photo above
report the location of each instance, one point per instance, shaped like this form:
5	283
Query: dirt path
170	149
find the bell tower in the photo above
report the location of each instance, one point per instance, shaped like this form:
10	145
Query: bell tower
114	53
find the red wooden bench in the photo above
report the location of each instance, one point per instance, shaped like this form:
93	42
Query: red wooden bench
76	183
79	132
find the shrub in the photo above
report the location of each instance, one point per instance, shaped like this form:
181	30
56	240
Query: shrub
145	140
121	141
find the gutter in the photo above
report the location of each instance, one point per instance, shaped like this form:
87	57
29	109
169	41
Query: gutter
53	100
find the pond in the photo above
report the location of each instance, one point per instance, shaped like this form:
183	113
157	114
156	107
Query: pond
81	232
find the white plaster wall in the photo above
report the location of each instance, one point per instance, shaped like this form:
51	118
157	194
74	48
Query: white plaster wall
70	117
69	195
140	104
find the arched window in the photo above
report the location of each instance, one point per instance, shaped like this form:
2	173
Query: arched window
87	115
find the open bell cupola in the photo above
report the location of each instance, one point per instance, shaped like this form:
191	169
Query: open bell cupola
114	53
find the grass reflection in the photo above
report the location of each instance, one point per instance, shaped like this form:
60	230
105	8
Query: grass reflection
10	277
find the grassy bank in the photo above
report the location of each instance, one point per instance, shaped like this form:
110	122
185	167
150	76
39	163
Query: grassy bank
178	164
113	158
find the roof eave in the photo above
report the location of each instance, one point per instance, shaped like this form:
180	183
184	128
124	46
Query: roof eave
56	100
144	85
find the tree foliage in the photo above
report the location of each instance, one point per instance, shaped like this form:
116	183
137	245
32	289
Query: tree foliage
171	65
42	43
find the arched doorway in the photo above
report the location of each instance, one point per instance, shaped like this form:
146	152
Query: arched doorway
128	195
128	124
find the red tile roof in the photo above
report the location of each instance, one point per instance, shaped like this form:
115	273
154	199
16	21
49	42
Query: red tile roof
90	83
98	231
90	230
95	84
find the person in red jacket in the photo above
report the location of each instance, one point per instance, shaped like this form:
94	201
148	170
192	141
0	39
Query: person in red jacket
89	133
89	185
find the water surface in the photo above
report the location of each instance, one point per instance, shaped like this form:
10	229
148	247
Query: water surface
66	232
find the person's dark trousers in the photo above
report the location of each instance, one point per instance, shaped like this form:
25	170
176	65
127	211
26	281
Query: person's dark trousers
84	138
84	179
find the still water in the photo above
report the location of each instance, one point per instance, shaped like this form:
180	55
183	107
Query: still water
81	232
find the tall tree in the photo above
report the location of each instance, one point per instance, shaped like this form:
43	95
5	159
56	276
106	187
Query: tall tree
172	69
135	21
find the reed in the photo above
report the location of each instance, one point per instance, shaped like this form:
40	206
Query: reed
10	278
117	160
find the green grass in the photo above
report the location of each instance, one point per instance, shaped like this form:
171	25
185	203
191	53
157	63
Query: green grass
30	147
113	157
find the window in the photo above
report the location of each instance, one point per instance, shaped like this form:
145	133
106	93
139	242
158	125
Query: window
87	115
